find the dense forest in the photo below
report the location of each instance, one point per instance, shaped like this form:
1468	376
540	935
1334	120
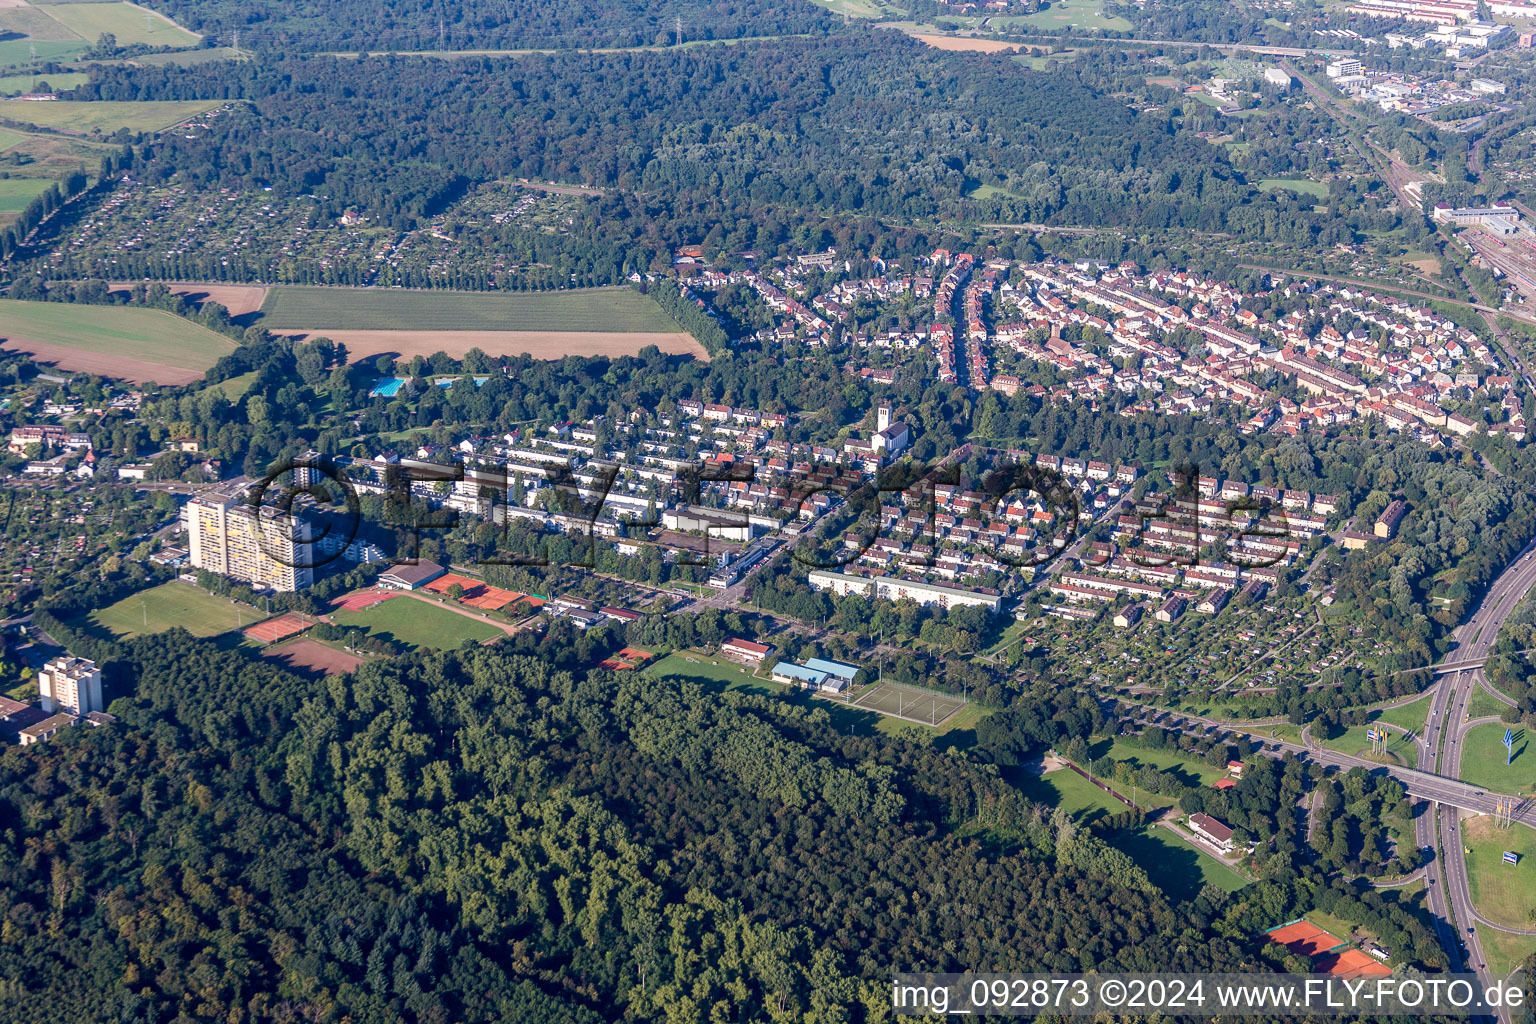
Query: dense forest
509	835
860	122
486	24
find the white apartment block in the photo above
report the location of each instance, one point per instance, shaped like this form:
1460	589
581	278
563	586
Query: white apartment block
70	686
264	547
894	588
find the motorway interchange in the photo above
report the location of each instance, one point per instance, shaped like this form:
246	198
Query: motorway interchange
1435	777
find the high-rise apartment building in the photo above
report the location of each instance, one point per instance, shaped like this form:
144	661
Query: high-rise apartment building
70	686
265	546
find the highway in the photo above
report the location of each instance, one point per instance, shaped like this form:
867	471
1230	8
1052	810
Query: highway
1450	896
1434	778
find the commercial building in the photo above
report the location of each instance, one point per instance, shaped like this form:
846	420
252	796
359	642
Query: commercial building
70	685
1344	68
710	522
264	546
895	588
1498	219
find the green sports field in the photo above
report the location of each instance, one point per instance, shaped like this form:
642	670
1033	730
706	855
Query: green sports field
1482	759
105	115
1175	866
417	624
129	24
107	333
1068	790
712	672
173	604
386	309
1303	186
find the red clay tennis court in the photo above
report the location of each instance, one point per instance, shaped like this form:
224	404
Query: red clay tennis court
1350	963
614	664
358	601
1305	938
273	630
635	654
475	594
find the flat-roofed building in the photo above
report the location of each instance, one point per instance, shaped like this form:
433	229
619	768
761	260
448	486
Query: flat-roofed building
262	545
895	588
70	685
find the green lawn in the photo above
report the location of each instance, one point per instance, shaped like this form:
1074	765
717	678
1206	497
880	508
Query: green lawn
1484	705
1084	14
127	23
104	115
10	138
991	192
383	309
17	193
235	388
174	604
1505	951
1175	866
417	624
1299	185
1399	748
148	335
16	85
1503	893
1409	716
1482	759
1188	768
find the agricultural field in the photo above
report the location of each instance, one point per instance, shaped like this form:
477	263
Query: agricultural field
126	22
1482	759
26	31
417	624
16	85
170	605
105	116
1503	893
595	309
131	344
16	193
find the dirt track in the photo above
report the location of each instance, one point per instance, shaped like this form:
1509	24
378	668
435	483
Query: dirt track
538	344
120	367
